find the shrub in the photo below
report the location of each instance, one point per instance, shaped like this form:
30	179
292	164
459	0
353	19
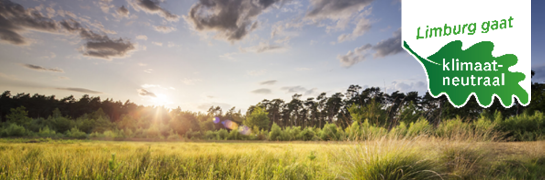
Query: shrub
524	127
454	129
46	132
276	133
259	117
211	135
421	127
307	134
399	131
329	132
222	134
14	130
76	133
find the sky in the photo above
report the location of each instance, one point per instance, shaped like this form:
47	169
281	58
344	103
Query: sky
194	54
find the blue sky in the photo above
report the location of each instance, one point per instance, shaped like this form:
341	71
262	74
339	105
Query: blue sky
195	54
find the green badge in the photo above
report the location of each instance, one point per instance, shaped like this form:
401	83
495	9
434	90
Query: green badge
460	73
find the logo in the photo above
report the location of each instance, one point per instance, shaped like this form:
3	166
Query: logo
467	48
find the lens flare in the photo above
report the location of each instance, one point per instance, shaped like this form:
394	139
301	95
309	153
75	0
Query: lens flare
230	124
216	120
244	130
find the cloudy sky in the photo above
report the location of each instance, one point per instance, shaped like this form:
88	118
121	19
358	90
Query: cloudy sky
199	53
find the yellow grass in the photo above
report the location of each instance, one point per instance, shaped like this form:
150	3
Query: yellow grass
382	158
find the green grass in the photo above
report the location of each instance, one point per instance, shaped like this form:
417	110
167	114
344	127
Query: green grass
384	158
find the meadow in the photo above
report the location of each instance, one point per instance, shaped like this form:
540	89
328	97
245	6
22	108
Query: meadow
381	158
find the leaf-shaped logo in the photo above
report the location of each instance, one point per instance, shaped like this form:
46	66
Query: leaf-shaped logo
460	73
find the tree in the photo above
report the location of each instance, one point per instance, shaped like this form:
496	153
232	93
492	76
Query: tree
19	116
259	118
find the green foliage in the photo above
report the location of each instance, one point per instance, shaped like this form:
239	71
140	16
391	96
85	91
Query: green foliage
46	132
222	134
13	130
420	127
409	113
259	117
292	133
307	134
329	133
524	127
76	133
453	128
276	133
373	112
18	116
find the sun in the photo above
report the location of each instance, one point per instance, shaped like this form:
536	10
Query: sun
160	99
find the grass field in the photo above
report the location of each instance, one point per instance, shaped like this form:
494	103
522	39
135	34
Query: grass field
419	158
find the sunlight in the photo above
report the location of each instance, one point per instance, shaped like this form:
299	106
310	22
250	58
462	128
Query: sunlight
160	100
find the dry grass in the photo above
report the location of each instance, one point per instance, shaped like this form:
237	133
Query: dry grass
384	158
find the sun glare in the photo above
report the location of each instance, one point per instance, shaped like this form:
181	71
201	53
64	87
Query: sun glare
160	99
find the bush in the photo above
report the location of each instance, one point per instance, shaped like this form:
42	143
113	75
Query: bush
259	117
14	130
276	133
399	131
292	133
307	134
46	132
76	133
421	127
211	135
329	133
222	134
524	127
454	129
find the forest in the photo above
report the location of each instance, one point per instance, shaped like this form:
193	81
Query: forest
321	118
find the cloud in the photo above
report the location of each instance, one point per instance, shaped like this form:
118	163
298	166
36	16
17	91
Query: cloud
15	19
142	37
122	11
303	69
387	47
40	68
352	57
231	20
263	47
145	93
80	90
336	9
256	72
157	43
142	64
270	82
152	7
164	29
299	89
294	89
363	26
105	5
188	81
390	46
97	45
262	91
63	78
149	71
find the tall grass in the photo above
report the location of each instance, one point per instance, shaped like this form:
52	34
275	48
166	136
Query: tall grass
387	157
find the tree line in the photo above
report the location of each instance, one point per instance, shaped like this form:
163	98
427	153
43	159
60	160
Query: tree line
91	114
